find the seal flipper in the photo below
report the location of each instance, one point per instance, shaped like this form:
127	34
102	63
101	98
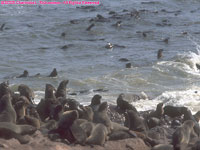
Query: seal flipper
8	134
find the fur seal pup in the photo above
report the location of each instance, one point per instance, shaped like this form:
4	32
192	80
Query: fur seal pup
10	130
7	113
87	127
173	111
181	136
24	90
24	75
135	123
101	116
124	105
61	90
20	107
95	102
159	54
98	135
54	73
159	111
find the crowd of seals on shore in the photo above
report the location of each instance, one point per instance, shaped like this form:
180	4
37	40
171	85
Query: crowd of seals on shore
65	120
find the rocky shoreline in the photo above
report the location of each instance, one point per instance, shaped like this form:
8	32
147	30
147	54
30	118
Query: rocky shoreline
59	123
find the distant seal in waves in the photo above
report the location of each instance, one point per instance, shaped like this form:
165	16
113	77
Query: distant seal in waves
7	113
181	136
54	73
98	135
24	75
61	90
9	130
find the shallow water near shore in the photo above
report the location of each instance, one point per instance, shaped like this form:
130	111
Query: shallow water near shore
32	40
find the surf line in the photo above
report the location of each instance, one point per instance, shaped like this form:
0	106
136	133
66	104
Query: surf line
81	2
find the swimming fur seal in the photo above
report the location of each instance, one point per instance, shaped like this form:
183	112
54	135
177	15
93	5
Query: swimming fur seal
24	90
61	90
54	73
24	75
7	113
181	136
159	54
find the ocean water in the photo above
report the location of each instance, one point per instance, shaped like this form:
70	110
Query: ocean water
31	39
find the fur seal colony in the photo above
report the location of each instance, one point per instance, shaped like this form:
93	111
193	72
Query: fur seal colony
66	120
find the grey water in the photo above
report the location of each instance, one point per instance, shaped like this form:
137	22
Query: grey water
31	40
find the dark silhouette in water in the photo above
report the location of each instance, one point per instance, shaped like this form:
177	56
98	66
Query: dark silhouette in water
24	75
53	73
90	27
159	54
2	26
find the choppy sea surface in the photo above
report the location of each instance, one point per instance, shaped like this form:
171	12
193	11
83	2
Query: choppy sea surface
32	40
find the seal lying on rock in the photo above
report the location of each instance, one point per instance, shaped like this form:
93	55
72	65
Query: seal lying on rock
98	135
181	136
173	111
10	130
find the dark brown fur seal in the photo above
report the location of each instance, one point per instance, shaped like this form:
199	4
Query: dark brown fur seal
182	134
24	75
98	135
173	111
7	113
159	111
32	121
159	54
87	113
124	105
135	123
20	107
101	116
95	102
61	90
24	90
10	130
49	92
53	73
4	89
